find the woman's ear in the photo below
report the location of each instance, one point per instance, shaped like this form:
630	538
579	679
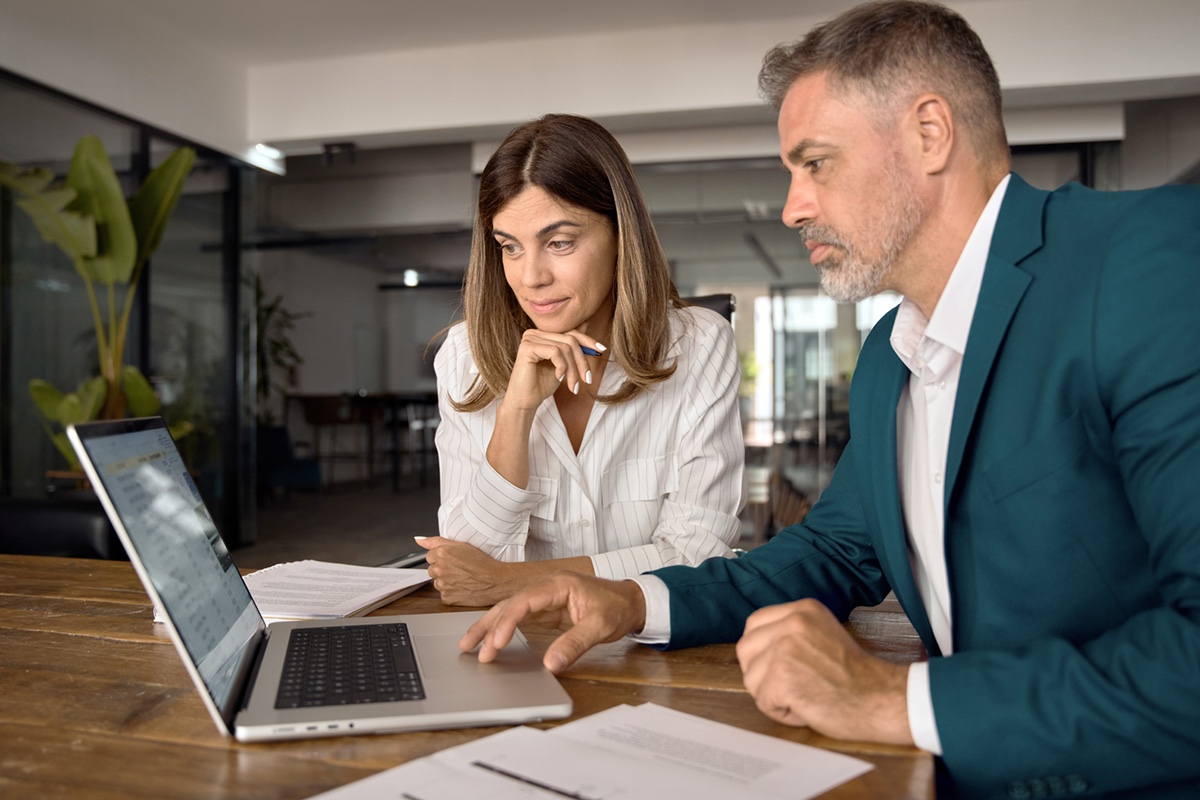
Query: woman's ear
935	127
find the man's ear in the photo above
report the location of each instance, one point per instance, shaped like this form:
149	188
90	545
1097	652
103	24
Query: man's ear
935	126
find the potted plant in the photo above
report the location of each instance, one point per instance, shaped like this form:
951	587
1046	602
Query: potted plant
275	350
109	240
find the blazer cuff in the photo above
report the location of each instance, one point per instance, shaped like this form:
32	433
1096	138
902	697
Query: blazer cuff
921	722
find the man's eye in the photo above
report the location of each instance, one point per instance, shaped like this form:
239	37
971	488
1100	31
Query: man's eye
814	164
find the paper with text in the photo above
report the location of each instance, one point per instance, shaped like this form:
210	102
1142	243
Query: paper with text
642	752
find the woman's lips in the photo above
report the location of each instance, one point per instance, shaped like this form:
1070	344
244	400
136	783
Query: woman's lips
546	306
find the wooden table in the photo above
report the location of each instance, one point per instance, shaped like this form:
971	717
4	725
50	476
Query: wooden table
95	703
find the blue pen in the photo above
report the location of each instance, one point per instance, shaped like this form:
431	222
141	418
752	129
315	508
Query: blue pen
587	351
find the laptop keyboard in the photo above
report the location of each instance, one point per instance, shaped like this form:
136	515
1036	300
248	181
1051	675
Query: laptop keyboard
349	665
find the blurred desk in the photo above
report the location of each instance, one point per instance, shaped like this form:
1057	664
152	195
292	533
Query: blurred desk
96	703
410	416
407	418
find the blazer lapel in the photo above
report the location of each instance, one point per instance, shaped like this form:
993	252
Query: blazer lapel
1018	233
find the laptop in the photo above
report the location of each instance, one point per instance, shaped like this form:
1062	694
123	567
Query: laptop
411	673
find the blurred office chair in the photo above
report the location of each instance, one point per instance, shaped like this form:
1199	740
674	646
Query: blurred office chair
278	466
332	413
411	419
58	527
723	304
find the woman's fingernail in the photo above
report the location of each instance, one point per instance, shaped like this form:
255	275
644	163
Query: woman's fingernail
575	389
600	347
560	377
587	378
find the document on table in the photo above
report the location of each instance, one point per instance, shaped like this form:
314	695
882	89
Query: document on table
644	752
325	590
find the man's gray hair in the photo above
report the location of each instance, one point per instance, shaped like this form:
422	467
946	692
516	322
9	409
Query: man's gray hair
892	51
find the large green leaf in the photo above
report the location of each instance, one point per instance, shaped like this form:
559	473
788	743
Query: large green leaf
46	397
64	446
70	231
181	429
92	394
91	175
155	201
70	410
140	399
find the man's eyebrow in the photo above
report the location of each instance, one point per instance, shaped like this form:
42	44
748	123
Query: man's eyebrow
796	154
553	226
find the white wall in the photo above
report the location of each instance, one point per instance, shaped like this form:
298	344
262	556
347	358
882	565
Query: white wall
343	340
1050	53
1064	52
131	65
414	318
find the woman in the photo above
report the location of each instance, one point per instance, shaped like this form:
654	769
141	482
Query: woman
589	417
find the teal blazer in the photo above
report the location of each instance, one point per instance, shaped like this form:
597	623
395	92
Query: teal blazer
1072	508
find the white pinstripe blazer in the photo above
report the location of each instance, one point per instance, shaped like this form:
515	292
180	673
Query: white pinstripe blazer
657	480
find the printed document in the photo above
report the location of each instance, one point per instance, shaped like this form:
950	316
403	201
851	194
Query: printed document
644	752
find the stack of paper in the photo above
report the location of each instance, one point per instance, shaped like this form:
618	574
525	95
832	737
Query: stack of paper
644	752
322	590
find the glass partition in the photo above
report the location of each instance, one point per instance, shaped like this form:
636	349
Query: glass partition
183	333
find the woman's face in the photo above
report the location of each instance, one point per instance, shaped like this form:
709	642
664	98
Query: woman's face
559	260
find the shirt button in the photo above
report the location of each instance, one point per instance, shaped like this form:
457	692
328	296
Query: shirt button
937	477
586	523
941	384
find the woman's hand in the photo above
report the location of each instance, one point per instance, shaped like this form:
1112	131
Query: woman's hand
463	574
544	362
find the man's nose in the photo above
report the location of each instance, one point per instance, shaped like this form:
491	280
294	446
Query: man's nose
800	206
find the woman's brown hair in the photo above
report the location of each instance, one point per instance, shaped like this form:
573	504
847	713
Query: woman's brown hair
579	162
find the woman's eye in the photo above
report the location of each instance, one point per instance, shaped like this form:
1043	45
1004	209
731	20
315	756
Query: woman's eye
508	248
559	244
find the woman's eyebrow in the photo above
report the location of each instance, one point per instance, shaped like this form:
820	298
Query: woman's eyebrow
553	226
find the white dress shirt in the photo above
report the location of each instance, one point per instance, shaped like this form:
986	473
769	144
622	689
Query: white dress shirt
657	480
933	352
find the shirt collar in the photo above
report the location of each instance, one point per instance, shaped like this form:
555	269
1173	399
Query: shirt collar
951	320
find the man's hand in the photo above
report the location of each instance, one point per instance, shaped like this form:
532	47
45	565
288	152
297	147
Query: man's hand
802	668
590	610
463	574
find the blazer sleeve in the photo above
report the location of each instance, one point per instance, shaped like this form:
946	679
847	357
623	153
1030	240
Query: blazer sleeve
1121	709
828	556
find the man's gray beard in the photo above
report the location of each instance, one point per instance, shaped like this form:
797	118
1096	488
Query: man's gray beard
845	276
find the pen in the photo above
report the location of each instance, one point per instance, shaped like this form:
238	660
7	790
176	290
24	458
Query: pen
587	351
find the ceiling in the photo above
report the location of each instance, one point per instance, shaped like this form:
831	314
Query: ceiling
272	31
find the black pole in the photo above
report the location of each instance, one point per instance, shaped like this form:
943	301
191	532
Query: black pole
234	459
140	167
6	339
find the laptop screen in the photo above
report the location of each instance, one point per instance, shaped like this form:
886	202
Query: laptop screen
178	547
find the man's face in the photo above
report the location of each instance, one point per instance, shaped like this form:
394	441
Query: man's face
851	197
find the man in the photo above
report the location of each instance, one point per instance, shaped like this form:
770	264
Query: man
1024	456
